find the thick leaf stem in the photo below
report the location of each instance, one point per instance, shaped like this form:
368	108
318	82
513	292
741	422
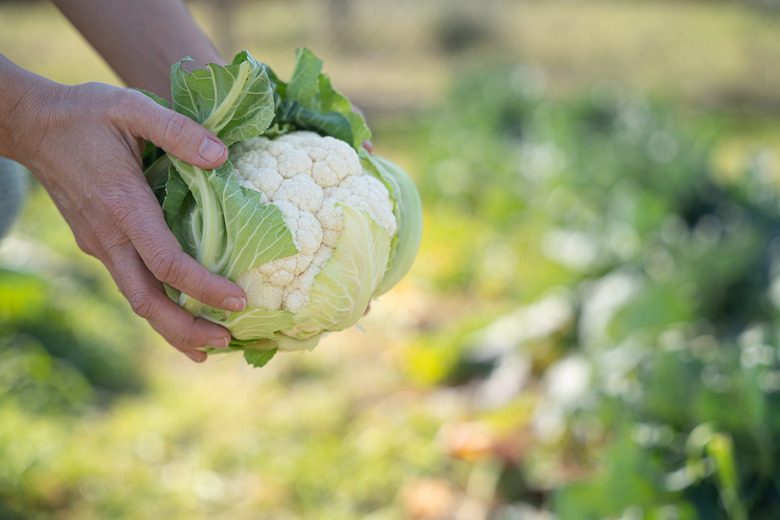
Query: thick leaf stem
220	116
212	221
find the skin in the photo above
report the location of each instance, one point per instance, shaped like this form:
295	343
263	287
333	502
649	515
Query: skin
141	39
84	144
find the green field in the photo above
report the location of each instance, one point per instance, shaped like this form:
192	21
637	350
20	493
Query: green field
590	331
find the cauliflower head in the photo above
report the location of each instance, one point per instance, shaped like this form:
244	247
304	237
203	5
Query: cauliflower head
309	178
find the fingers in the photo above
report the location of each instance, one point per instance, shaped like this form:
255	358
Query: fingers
151	256
175	133
148	299
163	256
142	222
177	269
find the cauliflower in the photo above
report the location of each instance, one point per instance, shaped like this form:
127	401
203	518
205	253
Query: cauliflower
307	177
300	215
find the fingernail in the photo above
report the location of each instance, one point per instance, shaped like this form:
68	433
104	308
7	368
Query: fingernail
221	342
233	303
210	150
197	356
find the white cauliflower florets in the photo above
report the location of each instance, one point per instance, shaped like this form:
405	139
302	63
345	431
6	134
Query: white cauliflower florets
306	176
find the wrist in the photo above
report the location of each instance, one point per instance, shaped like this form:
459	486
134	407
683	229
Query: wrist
26	100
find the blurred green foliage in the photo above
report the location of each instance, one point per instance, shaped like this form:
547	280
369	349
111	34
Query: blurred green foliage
36	314
670	280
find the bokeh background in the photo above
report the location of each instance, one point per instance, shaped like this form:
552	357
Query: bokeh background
590	331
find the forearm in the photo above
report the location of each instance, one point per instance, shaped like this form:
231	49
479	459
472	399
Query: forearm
140	39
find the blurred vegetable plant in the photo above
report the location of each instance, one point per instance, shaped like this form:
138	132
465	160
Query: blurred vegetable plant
670	276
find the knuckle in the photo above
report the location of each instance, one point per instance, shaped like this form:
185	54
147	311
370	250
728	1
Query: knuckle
182	336
86	245
175	133
142	304
165	267
124	208
125	216
124	103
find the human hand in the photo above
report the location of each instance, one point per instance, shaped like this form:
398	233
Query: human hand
84	144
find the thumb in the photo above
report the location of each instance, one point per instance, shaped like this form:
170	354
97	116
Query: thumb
177	134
